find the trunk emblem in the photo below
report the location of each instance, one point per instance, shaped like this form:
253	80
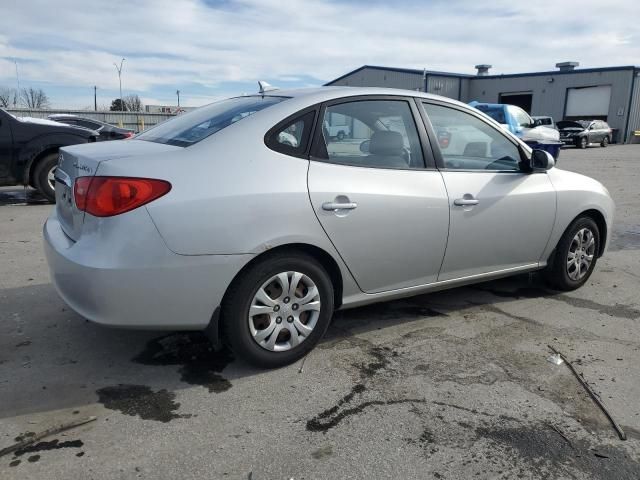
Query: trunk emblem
84	168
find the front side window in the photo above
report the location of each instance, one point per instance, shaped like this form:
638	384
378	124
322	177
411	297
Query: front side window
471	144
197	125
376	133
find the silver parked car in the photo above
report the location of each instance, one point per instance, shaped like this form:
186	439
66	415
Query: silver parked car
214	220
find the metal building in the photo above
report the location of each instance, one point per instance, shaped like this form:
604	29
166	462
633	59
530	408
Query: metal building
611	94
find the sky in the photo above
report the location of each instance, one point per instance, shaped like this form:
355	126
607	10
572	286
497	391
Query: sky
212	49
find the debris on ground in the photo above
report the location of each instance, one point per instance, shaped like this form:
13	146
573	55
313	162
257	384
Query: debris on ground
592	393
46	433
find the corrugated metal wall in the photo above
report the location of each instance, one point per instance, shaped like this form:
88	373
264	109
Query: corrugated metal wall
634	110
444	86
374	77
550	91
133	120
370	77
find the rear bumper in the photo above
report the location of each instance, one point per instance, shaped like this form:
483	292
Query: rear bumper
133	280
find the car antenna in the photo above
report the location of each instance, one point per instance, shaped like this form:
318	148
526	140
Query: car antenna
265	87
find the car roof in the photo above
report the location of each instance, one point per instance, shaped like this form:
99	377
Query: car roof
324	94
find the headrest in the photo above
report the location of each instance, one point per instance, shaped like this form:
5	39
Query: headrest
386	142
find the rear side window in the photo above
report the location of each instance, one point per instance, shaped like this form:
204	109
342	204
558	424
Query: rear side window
192	127
291	137
380	134
86	124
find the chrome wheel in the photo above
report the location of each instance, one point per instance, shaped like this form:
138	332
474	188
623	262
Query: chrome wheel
51	179
284	311
581	252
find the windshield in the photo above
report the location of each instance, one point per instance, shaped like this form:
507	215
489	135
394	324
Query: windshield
497	113
579	124
192	127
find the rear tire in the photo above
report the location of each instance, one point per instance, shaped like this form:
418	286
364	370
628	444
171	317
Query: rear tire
605	142
43	176
575	256
260	290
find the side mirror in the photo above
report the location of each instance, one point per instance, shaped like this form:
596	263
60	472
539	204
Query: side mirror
364	146
541	160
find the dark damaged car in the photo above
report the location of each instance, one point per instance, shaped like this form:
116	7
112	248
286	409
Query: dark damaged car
583	133
29	150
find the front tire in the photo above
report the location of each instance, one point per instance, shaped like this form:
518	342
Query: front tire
278	310
575	256
43	176
582	143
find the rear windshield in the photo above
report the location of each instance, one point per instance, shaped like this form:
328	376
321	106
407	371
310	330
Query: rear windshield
192	127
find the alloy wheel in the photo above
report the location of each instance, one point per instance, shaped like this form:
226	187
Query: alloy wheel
581	252
51	179
284	311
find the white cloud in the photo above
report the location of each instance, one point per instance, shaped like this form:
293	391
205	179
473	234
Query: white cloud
170	43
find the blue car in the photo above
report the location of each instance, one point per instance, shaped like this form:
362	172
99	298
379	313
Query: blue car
518	122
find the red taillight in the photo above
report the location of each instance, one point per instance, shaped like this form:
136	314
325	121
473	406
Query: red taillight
108	196
128	135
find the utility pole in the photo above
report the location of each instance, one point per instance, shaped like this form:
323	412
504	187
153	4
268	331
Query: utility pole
119	69
178	93
95	98
15	97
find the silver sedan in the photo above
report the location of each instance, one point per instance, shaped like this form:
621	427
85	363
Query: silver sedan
247	219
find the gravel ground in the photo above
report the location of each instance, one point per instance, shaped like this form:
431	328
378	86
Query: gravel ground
452	385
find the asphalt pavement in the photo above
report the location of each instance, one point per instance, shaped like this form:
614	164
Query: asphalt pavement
450	385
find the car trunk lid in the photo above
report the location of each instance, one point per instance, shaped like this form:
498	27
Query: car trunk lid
83	160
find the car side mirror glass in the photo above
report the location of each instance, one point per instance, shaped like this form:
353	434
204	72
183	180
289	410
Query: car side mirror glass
541	160
364	146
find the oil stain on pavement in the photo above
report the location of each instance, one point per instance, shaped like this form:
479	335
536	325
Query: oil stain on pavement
333	416
40	447
141	401
199	363
548	453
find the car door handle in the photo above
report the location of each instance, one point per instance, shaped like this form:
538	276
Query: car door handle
335	206
463	202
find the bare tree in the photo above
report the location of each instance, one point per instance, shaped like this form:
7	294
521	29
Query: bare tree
8	97
132	103
34	99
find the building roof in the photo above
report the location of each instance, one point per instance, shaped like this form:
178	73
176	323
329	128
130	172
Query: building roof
401	70
466	75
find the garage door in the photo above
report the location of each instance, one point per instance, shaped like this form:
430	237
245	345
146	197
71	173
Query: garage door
588	102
